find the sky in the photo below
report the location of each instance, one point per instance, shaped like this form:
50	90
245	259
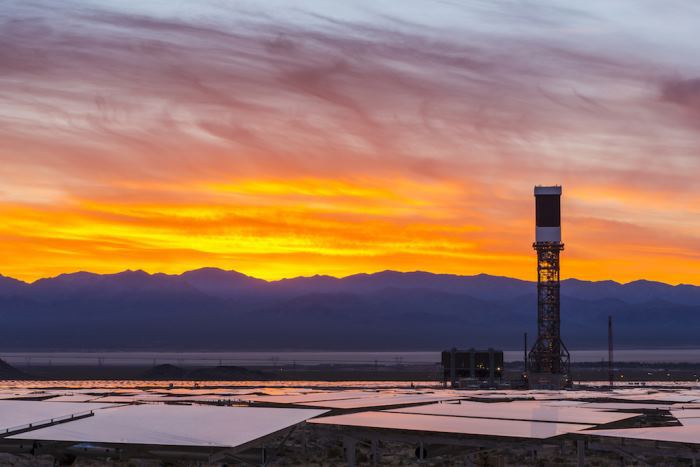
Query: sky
286	138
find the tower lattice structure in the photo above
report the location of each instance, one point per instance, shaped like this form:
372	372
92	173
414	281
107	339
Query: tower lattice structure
549	359
549	355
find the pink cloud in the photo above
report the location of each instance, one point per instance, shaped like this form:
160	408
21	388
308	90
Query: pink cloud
101	103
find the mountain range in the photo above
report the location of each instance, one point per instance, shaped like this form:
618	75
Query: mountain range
214	309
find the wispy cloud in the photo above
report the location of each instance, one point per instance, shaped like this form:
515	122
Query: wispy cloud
181	134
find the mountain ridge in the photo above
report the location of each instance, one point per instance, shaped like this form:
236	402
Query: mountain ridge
215	270
226	284
214	308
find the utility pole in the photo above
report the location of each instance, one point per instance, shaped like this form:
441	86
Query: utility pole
611	372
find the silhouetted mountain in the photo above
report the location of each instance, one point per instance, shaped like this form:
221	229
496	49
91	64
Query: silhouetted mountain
220	283
215	309
84	285
8	372
633	292
479	286
63	286
10	286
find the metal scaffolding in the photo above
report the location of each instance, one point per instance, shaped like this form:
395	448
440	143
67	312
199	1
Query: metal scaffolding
549	358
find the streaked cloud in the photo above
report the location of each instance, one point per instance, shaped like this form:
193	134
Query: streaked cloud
289	138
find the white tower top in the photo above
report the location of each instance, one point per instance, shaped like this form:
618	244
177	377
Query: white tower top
548	214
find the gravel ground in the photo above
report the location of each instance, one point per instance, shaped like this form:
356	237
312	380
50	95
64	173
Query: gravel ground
311	447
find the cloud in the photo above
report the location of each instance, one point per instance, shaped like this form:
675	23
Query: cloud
109	110
684	92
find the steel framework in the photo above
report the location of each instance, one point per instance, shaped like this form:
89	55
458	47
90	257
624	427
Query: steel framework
549	358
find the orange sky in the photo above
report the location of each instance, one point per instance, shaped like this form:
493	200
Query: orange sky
297	144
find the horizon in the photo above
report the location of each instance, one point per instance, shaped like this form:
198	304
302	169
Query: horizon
155	273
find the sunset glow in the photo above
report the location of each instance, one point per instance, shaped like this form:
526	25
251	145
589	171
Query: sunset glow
297	139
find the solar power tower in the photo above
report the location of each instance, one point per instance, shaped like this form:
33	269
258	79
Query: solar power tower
548	362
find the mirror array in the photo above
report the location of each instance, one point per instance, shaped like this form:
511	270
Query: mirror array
237	418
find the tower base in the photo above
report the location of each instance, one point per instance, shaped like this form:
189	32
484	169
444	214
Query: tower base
548	381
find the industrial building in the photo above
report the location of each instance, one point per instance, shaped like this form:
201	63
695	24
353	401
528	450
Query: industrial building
472	368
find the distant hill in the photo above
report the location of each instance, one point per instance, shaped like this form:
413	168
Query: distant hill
213	309
10	286
8	372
